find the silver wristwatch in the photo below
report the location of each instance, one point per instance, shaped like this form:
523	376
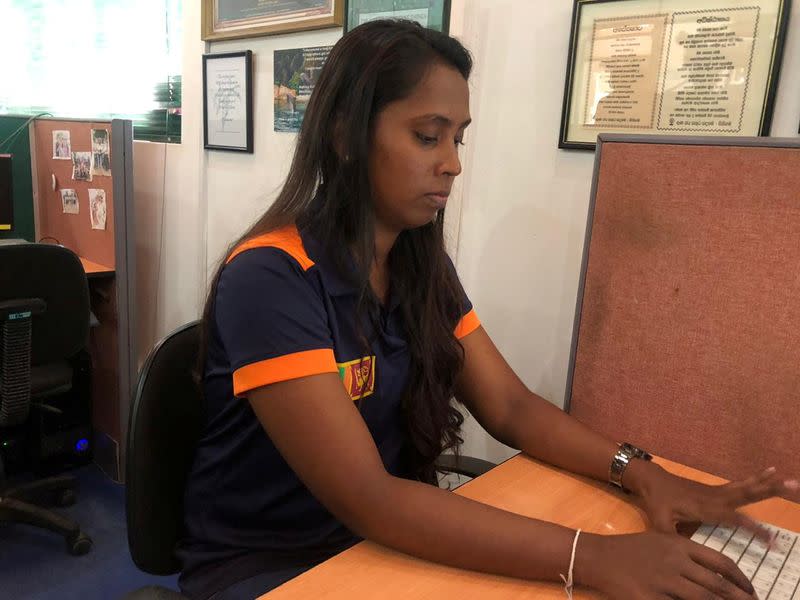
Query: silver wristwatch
625	454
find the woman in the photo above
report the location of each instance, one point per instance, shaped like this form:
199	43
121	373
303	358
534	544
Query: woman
337	334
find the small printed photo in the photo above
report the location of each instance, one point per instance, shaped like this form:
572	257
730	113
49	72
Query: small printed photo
69	201
101	160
97	208
62	149
82	166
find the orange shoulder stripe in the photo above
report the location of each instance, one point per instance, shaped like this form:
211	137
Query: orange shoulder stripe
283	368
468	323
286	239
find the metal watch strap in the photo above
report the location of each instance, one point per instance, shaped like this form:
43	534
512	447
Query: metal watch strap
624	455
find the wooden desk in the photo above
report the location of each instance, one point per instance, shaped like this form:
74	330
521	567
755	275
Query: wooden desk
519	485
94	269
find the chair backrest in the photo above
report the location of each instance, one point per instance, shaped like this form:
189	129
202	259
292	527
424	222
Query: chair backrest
45	318
54	274
166	421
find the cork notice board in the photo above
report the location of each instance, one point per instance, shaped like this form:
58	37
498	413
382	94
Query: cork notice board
73	230
687	333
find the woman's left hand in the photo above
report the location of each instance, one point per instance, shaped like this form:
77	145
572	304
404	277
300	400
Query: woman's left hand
669	500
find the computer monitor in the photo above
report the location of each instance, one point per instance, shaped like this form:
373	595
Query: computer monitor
6	195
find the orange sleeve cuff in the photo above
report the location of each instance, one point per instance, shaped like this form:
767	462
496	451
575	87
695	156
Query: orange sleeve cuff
283	368
468	323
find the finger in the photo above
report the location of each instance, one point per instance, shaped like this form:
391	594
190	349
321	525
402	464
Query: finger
791	487
758	529
719	563
754	489
752	480
716	584
738	519
747	492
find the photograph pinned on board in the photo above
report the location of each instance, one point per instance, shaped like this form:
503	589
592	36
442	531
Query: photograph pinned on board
97	208
82	166
69	202
101	160
62	149
296	73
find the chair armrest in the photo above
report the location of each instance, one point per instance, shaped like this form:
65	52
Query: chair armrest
10	308
463	465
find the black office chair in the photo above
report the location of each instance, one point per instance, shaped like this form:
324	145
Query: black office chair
165	424
44	330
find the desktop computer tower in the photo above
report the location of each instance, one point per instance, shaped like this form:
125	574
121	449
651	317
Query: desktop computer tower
58	432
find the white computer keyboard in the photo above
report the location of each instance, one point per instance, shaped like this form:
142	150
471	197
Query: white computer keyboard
775	574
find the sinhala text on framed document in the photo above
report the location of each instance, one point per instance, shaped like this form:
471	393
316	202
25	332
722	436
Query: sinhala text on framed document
672	67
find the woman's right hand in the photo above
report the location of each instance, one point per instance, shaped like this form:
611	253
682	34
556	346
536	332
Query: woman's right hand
657	566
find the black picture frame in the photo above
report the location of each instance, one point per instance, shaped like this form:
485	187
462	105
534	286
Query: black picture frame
236	65
570	85
446	4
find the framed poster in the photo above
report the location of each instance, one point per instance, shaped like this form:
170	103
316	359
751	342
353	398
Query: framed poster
672	67
433	14
228	101
230	19
296	72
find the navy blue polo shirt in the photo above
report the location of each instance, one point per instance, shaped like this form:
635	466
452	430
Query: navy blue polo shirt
282	311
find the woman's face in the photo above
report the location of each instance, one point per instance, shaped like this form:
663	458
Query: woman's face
414	154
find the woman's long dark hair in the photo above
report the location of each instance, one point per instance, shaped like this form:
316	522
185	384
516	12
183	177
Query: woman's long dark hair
327	191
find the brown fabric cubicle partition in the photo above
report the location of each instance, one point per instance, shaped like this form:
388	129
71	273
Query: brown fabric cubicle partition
687	330
73	231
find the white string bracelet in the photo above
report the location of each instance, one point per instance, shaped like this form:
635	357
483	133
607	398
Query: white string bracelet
568	580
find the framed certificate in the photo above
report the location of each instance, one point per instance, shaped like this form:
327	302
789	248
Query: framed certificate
433	14
228	101
672	67
229	19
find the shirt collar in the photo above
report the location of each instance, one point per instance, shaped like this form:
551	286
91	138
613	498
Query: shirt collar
336	283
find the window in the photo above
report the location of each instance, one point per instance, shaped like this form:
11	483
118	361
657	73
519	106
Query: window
94	59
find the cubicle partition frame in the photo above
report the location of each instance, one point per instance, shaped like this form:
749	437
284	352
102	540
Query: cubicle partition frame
125	256
607	139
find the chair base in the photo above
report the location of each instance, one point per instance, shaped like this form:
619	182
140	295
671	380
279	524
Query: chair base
17	506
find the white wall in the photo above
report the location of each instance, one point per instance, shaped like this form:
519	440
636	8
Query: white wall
242	186
519	234
170	208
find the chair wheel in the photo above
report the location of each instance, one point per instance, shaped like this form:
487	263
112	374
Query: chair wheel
65	498
79	544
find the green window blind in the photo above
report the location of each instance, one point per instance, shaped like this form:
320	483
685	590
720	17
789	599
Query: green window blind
94	59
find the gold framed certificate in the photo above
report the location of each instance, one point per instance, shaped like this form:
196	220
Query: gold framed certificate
230	19
672	67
